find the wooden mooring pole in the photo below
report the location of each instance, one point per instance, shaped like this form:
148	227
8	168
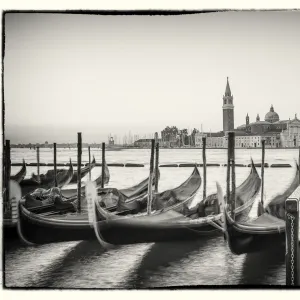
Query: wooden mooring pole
55	169
233	195
7	175
89	149
231	163
103	165
38	161
262	172
150	177
156	166
79	153
260	206
204	165
292	242
228	175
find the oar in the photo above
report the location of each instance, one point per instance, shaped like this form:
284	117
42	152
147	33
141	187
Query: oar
91	196
222	204
15	198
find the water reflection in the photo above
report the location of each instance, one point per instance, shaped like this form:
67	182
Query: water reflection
25	266
262	268
78	255
161	256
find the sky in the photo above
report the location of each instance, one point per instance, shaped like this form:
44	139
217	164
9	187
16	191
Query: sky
103	75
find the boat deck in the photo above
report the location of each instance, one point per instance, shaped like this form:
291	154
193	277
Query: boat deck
70	216
266	220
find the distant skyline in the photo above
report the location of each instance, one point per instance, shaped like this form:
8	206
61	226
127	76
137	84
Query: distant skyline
97	75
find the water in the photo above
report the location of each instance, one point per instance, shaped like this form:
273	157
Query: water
205	262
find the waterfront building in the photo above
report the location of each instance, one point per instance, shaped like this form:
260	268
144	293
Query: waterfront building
146	143
291	136
277	133
213	139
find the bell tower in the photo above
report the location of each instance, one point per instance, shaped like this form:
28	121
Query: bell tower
247	120
228	109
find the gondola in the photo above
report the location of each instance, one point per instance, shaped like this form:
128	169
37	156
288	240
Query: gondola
70	193
46	182
45	228
58	200
41	227
50	173
263	232
65	200
171	223
117	201
183	196
246	199
127	200
84	171
21	174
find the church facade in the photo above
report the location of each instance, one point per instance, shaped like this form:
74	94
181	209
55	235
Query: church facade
276	133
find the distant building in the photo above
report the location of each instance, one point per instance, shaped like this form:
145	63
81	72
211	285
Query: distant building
291	136
213	139
276	133
111	141
270	124
146	143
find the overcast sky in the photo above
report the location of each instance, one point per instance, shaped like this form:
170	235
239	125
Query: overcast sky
111	74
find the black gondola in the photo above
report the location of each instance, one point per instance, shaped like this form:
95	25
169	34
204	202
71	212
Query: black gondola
169	224
47	227
84	171
47	182
184	193
263	232
21	174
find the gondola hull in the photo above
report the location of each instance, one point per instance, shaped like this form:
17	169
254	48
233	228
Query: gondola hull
44	230
240	243
249	238
123	233
266	231
10	232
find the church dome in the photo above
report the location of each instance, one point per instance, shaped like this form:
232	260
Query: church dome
272	116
